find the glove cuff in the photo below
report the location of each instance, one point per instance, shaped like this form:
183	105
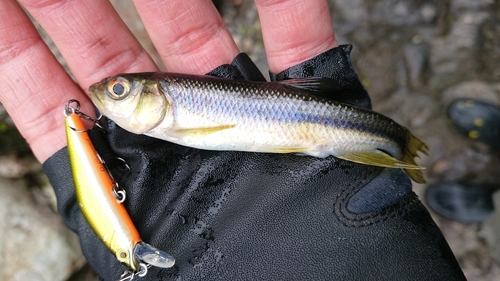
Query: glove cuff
241	68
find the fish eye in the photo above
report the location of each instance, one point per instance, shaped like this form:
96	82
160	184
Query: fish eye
118	88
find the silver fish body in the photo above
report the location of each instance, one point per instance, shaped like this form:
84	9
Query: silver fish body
277	117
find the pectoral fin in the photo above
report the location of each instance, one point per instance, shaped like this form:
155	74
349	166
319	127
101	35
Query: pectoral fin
382	159
203	130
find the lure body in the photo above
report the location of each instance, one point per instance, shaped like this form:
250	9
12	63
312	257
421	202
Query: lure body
94	192
277	117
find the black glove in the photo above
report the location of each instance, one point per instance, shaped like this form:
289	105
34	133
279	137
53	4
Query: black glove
256	216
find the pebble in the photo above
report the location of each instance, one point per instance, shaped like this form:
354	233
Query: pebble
14	166
35	244
491	229
472	89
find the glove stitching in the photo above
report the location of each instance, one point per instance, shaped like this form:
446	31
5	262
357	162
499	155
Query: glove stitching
399	209
349	219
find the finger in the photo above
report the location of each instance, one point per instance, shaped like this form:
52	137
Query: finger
35	87
95	44
190	35
91	37
294	30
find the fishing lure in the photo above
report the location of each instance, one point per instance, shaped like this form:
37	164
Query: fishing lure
100	199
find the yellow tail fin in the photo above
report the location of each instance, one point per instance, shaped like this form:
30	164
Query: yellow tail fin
414	146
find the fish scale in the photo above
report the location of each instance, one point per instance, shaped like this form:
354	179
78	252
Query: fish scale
212	113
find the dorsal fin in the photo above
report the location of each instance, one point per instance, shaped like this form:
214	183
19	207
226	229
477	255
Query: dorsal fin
328	89
323	87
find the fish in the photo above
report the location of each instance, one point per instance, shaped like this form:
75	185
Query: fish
298	116
105	214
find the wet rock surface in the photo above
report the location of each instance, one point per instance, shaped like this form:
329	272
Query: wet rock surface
413	56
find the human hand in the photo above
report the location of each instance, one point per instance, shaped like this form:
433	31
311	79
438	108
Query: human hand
189	35
222	215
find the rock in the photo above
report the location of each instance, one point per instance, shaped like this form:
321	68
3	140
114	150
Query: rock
428	13
14	166
491	229
352	11
453	55
416	57
10	138
489	47
379	65
35	244
472	89
395	12
473	5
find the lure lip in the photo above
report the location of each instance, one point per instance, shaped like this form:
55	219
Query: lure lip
153	256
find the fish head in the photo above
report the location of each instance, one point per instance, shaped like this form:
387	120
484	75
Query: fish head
133	101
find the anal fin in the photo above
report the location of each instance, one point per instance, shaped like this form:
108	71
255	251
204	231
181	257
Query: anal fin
382	159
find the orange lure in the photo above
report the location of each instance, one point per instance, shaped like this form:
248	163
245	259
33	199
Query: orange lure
94	188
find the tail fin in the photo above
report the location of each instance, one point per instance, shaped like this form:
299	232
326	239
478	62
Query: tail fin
414	146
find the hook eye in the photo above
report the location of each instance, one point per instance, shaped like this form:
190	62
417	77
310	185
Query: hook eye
70	109
95	122
119	194
144	269
129	275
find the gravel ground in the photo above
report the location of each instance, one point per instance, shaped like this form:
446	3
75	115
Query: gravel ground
414	57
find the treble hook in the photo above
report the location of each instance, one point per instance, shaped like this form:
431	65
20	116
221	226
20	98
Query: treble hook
95	122
119	193
69	109
130	275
